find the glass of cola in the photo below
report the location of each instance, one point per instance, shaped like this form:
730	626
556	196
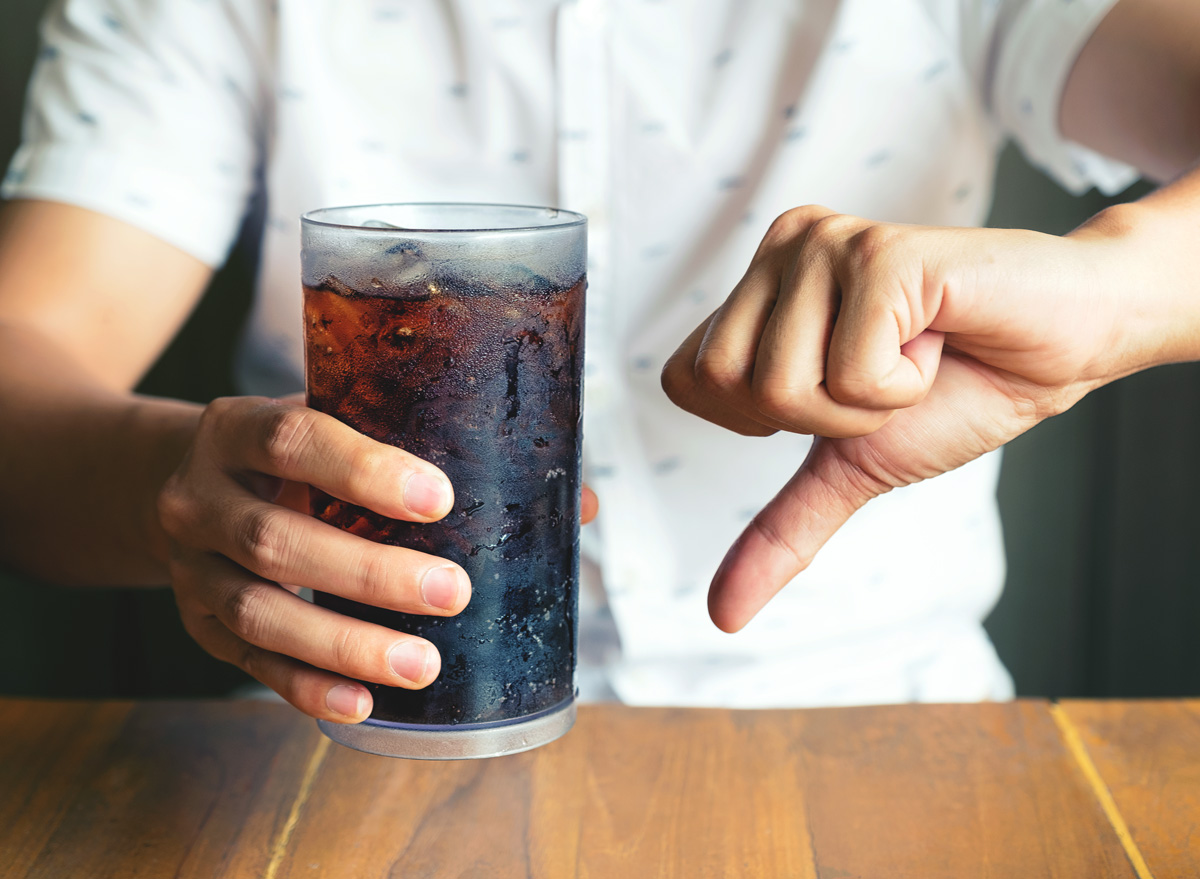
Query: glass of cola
455	332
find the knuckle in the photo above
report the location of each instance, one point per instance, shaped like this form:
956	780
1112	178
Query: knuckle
375	578
792	223
264	539
217	409
216	413
346	652
777	400
868	246
717	371
175	506
248	610
368	466
829	231
221	406
783	228
676	379
288	429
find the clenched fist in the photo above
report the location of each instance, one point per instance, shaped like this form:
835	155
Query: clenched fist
908	351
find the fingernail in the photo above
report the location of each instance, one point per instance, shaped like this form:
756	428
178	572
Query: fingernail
346	700
440	588
409	659
426	495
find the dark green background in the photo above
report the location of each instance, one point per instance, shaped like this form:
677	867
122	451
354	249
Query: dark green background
1099	512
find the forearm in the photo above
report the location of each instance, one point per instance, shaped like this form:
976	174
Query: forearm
81	466
1145	261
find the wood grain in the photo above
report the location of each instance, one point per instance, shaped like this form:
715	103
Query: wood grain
979	790
905	791
250	789
166	789
45	748
1148	755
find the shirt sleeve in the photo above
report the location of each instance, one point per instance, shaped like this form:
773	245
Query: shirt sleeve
1034	56
1021	52
151	111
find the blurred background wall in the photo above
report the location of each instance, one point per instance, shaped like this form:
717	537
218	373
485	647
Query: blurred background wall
1099	505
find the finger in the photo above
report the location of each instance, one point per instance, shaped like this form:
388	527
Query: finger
589	505
785	536
303	445
684	387
711	373
790	371
264	615
877	358
316	692
285	546
726	360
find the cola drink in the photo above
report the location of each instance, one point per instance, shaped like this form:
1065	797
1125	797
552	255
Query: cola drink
465	348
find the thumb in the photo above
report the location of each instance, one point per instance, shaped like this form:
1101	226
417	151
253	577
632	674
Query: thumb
785	536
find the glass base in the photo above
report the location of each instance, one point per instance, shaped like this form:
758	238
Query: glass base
454	742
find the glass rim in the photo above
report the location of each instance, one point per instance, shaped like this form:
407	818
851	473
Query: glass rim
572	218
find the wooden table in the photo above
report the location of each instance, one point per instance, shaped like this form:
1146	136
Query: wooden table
1025	789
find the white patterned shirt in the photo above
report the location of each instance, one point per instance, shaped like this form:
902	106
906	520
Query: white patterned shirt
681	128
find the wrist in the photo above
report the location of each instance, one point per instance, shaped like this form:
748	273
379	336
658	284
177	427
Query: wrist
161	432
1145	283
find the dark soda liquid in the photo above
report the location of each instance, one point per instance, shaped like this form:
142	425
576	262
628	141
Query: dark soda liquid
485	383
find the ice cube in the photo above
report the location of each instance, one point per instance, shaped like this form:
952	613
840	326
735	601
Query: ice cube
404	271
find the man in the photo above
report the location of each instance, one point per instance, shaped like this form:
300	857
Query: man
681	130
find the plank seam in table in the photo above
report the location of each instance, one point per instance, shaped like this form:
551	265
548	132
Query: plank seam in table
1075	744
280	846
